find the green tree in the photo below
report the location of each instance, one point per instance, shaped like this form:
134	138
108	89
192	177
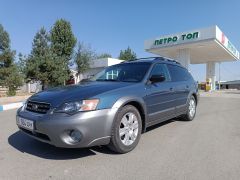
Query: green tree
40	63
104	55
9	75
63	42
21	64
127	54
83	57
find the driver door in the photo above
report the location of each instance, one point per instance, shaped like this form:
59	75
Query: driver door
160	96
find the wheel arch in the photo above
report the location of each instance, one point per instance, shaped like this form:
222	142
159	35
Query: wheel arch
138	104
195	97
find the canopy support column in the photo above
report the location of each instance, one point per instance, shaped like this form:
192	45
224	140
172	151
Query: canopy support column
183	57
211	75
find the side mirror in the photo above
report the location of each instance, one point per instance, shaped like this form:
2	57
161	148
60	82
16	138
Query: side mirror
157	78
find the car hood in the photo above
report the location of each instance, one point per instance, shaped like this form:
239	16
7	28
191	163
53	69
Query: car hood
60	95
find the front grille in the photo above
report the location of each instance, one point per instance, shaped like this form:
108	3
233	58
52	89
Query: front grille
36	134
38	107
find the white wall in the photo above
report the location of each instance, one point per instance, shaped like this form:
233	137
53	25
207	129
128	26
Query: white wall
104	62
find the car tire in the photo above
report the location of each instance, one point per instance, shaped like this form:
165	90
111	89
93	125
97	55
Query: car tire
126	130
191	109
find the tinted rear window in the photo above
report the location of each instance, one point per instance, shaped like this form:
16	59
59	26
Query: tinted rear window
178	73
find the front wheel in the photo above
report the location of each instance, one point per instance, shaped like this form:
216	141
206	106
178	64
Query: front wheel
126	130
191	111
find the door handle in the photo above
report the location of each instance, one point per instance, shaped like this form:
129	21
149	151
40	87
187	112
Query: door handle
171	89
187	86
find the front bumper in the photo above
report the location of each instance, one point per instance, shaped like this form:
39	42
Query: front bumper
94	126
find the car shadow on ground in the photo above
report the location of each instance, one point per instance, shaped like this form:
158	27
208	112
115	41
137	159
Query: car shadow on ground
151	128
26	144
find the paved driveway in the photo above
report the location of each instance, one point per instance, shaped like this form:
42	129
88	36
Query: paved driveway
206	148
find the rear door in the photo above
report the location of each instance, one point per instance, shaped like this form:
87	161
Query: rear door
160	99
180	77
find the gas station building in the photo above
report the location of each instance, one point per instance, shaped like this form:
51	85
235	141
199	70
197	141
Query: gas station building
206	45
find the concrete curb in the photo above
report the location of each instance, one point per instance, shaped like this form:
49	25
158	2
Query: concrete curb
10	106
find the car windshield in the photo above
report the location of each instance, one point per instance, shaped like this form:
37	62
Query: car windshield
126	72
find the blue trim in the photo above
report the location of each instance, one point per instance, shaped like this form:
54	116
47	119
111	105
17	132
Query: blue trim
14	107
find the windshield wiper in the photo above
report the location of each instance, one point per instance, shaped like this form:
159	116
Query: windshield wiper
85	80
106	80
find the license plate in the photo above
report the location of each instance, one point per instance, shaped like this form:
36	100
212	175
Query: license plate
25	123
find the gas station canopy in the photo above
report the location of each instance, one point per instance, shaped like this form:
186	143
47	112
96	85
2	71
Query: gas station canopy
202	45
206	45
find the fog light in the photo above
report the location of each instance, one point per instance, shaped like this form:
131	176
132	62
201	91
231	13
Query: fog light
75	136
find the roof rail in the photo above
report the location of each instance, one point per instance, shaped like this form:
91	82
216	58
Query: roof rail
154	58
167	59
137	59
172	60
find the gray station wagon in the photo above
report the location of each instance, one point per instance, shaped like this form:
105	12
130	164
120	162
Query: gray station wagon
112	108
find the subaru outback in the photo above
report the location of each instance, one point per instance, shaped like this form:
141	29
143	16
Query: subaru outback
112	108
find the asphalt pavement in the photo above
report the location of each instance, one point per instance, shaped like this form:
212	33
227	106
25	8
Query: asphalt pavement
206	148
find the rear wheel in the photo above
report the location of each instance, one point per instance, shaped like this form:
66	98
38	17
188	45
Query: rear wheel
191	111
126	130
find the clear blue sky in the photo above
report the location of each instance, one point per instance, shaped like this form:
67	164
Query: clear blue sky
110	26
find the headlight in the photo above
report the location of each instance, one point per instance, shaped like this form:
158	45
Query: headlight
73	107
24	106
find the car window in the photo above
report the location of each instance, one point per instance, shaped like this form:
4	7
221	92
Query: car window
178	73
161	69
126	72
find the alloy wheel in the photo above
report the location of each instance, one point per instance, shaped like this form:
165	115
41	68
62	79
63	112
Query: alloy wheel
128	129
192	107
